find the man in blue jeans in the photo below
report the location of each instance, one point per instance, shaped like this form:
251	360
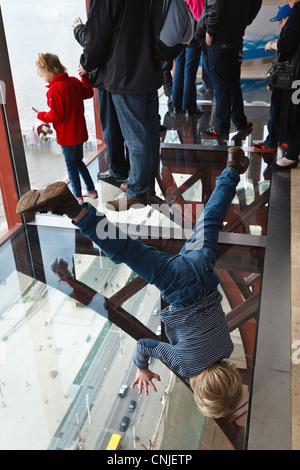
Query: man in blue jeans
117	40
117	151
199	339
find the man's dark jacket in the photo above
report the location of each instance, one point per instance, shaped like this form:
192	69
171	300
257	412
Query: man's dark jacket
95	75
227	19
117	40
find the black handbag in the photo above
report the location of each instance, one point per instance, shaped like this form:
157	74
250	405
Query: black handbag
281	74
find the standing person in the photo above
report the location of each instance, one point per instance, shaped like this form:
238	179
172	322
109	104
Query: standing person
184	96
195	322
116	149
222	26
117	39
286	111
65	98
271	141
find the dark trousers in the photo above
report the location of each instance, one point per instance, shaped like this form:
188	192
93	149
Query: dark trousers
293	141
272	138
225	60
206	78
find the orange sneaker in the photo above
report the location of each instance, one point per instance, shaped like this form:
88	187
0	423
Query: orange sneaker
261	147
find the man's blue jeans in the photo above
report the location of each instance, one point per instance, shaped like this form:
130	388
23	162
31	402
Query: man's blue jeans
225	59
139	123
184	80
112	135
186	277
75	166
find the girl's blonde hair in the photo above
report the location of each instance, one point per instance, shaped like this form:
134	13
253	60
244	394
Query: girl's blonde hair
218	389
50	63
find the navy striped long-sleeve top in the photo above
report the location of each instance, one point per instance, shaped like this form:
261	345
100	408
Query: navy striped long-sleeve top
198	336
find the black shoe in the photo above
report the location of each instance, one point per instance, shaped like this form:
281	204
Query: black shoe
248	126
109	178
202	90
195	111
178	111
277	167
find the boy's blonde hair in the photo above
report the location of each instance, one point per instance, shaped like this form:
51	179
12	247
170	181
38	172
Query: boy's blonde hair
218	389
50	63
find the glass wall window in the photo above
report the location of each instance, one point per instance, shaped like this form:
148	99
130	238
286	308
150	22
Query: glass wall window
9	220
29	30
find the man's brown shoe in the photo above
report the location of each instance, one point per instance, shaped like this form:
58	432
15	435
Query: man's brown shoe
237	159
55	198
124	187
124	203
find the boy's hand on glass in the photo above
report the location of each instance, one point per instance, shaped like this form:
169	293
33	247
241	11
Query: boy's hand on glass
144	379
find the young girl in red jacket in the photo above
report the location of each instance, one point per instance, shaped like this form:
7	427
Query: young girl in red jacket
65	99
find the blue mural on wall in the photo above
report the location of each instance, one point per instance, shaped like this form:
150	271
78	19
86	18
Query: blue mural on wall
261	31
255	48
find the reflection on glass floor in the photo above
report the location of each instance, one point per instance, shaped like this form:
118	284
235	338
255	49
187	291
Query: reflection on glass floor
71	317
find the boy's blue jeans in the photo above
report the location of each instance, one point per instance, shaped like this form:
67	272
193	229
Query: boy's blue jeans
185	278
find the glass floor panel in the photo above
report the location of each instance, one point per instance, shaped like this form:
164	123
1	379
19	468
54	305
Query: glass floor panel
63	346
70	317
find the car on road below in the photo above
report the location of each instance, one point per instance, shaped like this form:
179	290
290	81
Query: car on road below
123	390
124	423
131	406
